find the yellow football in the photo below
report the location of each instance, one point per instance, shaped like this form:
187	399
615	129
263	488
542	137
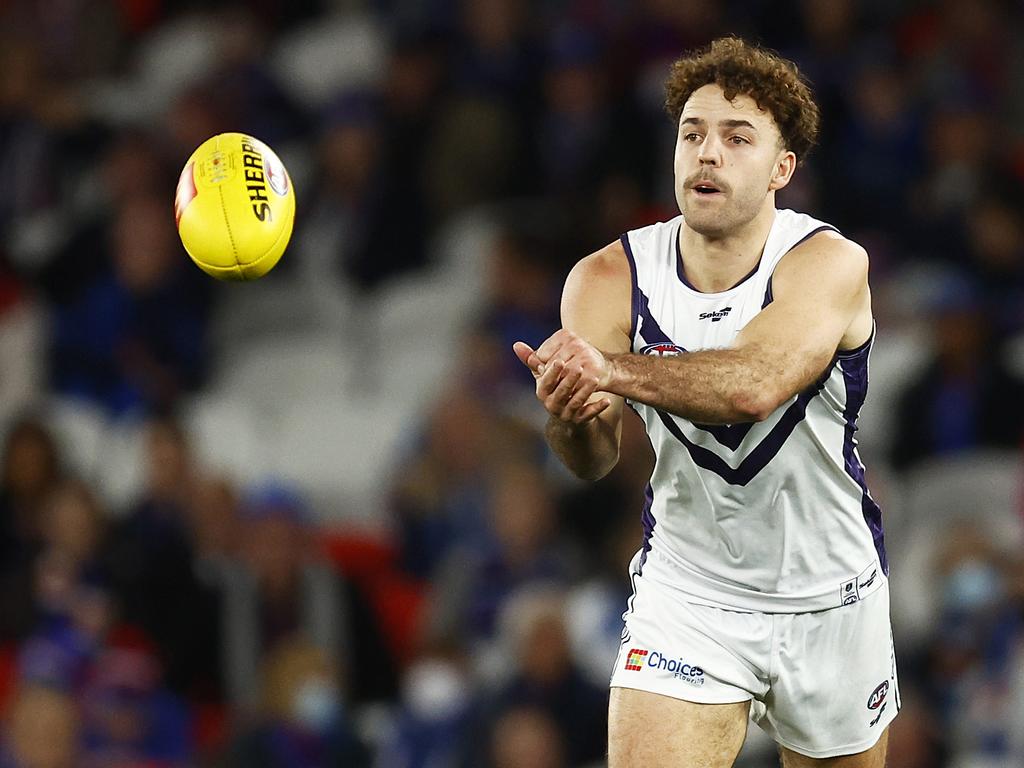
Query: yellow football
234	207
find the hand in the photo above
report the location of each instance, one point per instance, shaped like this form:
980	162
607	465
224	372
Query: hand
568	371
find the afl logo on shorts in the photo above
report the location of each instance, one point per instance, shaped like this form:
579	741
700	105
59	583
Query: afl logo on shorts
662	350
877	697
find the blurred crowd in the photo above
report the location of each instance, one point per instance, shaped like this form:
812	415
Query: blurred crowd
465	612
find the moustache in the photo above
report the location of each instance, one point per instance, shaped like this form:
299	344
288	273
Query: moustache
701	178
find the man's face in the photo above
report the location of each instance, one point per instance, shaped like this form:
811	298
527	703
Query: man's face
728	157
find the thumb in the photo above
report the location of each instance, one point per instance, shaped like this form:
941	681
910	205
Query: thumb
523	352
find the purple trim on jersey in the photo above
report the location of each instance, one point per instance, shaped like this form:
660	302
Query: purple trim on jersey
812	233
768	297
858	350
634	294
650	331
765	451
682	274
728	435
854	365
648	522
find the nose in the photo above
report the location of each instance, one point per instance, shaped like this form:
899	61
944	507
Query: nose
709	152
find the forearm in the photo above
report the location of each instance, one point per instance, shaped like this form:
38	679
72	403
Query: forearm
721	386
589	450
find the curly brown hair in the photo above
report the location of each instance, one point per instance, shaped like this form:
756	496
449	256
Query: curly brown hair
741	68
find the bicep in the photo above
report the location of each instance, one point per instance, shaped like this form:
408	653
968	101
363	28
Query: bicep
818	293
596	305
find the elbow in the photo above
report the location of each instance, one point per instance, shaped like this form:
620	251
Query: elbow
753	406
597	471
596	468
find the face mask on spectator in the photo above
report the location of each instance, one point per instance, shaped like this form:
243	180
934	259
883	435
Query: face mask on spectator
316	705
434	690
972	586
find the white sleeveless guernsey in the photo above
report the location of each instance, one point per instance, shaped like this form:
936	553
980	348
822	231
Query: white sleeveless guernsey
772	516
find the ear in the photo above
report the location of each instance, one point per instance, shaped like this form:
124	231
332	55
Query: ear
785	166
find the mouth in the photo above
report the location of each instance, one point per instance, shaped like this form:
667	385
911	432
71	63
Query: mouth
705	189
707	193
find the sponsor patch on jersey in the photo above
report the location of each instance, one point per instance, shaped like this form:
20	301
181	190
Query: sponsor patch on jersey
715	316
678	668
848	593
635	659
662	350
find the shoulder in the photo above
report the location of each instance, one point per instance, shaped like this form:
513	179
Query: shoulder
654	236
610	263
827	256
598	291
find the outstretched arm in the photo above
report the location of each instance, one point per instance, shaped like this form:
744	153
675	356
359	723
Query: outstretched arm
584	429
821	304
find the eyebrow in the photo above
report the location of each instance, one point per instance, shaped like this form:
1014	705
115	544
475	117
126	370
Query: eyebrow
725	123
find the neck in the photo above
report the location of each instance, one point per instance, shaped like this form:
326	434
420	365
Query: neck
715	263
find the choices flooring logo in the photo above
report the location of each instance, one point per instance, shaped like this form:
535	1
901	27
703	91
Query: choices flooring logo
635	659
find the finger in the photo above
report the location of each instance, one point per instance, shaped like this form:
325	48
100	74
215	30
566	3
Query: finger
585	387
563	393
523	352
552	344
528	357
547	380
591	410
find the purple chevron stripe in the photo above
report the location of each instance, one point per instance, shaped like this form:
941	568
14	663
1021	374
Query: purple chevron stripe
765	451
648	522
650	331
635	290
854	365
728	435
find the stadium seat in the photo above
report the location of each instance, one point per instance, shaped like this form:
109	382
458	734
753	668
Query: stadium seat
79	428
342	450
121	463
325	57
225	434
271	370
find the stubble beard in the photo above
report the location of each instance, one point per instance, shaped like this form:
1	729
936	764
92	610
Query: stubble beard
720	220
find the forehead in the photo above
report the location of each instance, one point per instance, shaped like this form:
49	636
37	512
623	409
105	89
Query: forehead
709	103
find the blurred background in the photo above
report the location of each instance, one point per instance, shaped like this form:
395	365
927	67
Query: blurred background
310	521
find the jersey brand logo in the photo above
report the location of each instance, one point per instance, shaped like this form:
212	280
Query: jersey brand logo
870	581
717	315
635	659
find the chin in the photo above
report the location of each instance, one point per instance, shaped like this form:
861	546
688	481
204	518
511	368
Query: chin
707	224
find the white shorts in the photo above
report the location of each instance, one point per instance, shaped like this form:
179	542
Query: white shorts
822	684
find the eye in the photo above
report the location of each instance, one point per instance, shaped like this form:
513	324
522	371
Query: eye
738	140
691	137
